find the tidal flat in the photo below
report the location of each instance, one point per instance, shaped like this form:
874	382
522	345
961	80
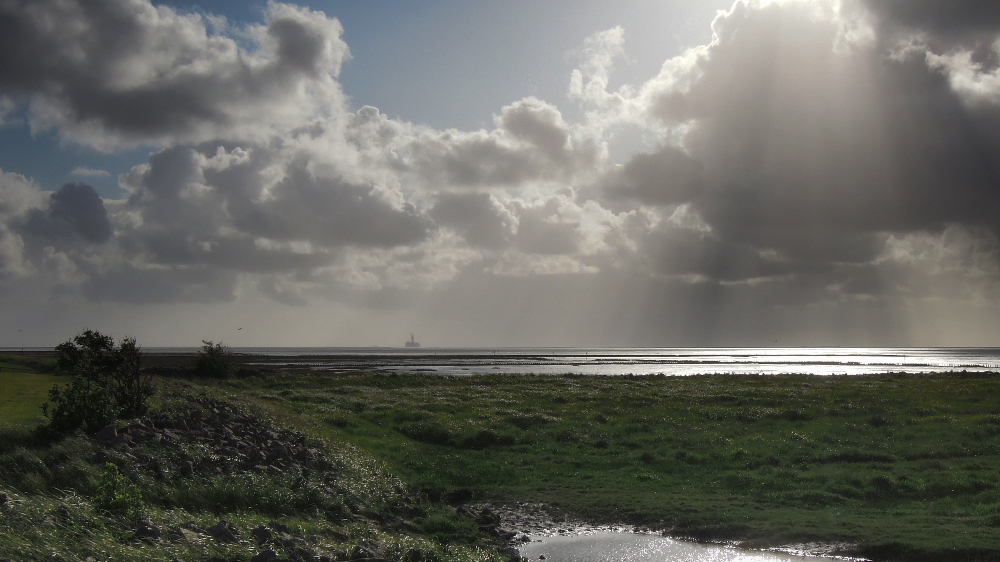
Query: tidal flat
893	467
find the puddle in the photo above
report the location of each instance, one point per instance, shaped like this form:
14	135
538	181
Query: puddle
612	546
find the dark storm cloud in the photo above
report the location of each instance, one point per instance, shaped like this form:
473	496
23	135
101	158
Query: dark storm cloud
940	16
75	212
686	252
807	143
125	72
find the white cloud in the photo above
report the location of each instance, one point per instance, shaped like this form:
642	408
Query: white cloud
126	73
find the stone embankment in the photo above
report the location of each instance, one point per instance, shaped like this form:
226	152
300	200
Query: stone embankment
213	438
228	440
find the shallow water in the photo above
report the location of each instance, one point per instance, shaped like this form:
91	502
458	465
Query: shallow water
608	546
638	361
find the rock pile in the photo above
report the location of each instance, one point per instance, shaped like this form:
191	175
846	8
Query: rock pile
230	441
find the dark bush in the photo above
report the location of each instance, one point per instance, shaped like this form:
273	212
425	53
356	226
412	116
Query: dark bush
106	383
214	361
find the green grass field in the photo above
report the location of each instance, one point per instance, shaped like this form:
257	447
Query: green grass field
905	466
22	392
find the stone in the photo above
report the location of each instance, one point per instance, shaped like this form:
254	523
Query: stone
108	433
147	531
262	534
223	532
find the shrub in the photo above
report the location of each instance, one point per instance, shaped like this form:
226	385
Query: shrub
118	496
107	383
214	361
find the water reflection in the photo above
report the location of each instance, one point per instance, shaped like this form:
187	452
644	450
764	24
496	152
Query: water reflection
607	546
639	361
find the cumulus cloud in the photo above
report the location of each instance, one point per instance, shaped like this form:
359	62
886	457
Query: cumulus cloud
75	212
18	196
479	217
531	143
794	132
126	73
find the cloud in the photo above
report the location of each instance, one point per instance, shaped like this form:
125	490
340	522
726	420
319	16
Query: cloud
531	143
126	73
18	195
75	213
796	133
479	217
663	177
939	18
87	172
817	166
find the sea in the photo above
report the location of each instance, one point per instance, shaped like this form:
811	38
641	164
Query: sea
629	361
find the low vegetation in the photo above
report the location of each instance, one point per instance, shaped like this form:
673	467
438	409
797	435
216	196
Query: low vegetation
214	361
330	467
106	383
117	474
902	467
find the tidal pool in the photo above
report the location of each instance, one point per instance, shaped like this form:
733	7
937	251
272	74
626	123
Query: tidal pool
610	546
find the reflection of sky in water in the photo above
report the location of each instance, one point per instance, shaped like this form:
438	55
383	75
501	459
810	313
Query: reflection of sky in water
641	361
765	361
629	547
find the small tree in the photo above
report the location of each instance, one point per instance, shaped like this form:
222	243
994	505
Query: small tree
214	361
106	383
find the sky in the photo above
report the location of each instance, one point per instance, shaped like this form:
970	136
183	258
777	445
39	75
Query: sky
554	173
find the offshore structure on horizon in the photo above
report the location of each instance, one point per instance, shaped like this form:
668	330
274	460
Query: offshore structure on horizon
412	342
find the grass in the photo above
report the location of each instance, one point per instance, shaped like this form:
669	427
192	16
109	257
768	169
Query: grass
77	498
23	390
903	466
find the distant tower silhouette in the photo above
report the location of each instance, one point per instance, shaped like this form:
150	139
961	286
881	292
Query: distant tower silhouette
412	342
